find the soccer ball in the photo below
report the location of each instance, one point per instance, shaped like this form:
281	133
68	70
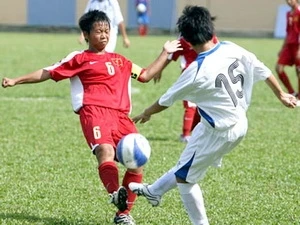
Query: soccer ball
141	8
133	151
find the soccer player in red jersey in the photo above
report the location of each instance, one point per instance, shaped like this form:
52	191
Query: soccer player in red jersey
290	52
100	91
191	116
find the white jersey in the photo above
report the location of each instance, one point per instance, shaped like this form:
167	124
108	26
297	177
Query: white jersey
113	11
220	83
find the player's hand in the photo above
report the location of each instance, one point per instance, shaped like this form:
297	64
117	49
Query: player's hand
126	42
7	82
157	78
172	46
142	118
288	100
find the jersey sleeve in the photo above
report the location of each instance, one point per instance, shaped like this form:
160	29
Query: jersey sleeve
136	71
182	88
256	67
128	67
65	68
174	56
118	17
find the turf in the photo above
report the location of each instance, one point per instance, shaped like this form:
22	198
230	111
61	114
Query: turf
48	175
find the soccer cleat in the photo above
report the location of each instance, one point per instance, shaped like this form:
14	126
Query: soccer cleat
298	103
124	219
142	190
119	198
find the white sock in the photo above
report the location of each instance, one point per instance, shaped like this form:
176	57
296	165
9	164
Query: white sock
191	196
163	184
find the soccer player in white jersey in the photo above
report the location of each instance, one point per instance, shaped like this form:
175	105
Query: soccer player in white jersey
113	11
220	83
100	89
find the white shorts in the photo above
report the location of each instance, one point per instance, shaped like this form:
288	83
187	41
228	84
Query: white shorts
206	148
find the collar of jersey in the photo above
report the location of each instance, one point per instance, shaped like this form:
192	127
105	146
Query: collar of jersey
210	51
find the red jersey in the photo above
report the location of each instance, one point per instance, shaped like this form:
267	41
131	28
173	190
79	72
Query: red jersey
102	80
188	54
293	26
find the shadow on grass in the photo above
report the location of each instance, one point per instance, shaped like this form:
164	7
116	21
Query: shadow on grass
45	220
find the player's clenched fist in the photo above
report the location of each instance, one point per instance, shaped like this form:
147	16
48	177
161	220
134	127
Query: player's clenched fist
7	82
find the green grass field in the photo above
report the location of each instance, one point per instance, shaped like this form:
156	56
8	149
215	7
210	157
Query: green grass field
49	177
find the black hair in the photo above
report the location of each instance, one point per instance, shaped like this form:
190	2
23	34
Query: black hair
196	25
87	20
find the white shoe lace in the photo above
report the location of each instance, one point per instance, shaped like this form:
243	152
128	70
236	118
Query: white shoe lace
125	219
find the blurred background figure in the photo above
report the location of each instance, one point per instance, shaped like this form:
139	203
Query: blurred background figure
289	54
113	11
142	9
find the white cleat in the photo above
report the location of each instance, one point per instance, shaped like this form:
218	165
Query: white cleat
298	103
124	219
142	190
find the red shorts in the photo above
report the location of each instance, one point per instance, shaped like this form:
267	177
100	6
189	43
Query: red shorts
104	126
288	55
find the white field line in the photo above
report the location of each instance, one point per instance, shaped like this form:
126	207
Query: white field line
266	109
30	99
135	90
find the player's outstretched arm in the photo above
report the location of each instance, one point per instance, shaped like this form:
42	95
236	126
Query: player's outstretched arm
158	64
146	115
287	99
157	76
34	77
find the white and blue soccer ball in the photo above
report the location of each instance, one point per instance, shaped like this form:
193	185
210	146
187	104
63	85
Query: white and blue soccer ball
141	8
133	151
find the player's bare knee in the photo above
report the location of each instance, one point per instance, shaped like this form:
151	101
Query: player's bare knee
104	153
279	69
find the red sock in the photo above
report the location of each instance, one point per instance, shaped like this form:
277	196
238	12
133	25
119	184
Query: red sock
145	30
141	30
188	118
128	178
196	119
286	82
109	175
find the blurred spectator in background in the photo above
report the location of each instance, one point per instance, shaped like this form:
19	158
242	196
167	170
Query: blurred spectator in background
113	11
142	9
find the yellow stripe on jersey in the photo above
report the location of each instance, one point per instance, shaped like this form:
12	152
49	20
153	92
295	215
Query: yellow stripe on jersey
135	71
